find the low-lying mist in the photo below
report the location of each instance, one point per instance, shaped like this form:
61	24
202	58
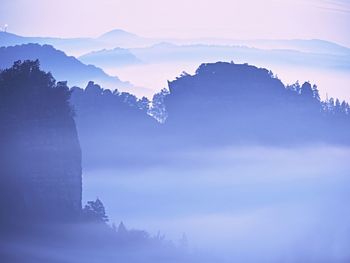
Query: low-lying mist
331	81
242	204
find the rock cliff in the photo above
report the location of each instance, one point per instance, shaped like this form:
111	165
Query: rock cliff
40	155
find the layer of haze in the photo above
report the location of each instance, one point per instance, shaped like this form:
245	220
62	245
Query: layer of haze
249	204
323	19
155	76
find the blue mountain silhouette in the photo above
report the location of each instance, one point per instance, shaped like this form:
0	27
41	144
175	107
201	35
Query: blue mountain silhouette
116	57
63	67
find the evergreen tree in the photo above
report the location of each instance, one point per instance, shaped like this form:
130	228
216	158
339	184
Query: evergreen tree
143	104
158	109
94	211
306	91
337	108
122	229
316	93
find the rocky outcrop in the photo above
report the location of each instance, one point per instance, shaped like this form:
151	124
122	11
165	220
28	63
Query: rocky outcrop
40	156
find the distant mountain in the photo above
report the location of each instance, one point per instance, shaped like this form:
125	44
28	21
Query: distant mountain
124	39
316	46
79	46
60	65
303	45
116	57
307	53
163	59
119	36
69	45
167	52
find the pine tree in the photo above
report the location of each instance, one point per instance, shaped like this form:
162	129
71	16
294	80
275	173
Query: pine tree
95	211
158	110
122	229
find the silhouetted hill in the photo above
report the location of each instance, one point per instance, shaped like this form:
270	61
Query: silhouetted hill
222	104
116	57
239	103
60	65
40	157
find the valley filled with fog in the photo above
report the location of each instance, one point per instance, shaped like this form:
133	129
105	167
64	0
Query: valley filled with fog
120	147
242	203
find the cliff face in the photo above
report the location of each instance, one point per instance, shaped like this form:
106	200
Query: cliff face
40	156
44	167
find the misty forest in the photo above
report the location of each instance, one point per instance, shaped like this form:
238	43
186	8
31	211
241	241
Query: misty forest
223	162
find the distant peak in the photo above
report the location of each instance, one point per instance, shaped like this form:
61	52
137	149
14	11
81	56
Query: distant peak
117	33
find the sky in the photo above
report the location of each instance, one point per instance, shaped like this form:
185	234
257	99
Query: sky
238	19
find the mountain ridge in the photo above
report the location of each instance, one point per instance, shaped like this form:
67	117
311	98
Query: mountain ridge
126	37
58	63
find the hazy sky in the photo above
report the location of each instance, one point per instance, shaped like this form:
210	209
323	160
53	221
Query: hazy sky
325	19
